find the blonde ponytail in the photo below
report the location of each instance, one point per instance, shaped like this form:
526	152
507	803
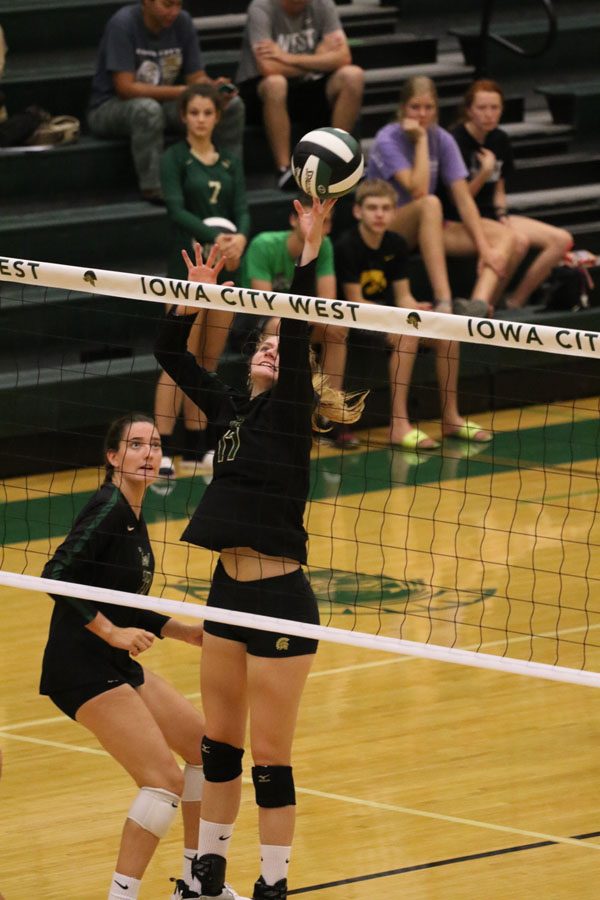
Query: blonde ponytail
337	406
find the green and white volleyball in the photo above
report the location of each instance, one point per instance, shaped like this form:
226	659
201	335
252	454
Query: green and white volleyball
327	162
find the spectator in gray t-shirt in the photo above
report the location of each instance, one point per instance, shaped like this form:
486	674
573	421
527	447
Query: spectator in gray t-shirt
148	55
296	66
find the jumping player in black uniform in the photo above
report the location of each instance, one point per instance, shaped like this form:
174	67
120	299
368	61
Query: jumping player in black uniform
252	514
89	671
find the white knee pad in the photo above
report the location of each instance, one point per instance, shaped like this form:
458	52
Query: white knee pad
154	809
193	783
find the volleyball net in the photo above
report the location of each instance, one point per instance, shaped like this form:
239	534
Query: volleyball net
477	554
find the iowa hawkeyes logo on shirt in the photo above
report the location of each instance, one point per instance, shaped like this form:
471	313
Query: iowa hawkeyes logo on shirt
282	643
372	282
414	319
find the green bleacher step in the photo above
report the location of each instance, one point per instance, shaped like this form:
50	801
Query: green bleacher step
576	104
393	50
575	47
562	170
81	324
93	235
91	163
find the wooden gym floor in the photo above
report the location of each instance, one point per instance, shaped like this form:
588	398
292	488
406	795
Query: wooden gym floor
415	779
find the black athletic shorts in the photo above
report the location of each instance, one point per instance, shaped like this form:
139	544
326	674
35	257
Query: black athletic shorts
70	700
306	101
284	597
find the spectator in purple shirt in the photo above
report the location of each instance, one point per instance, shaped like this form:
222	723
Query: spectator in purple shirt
415	154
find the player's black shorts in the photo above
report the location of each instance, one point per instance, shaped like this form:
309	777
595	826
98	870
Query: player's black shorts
306	101
284	597
70	700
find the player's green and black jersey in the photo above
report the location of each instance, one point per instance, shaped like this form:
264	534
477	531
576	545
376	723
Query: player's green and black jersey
195	191
107	547
261	467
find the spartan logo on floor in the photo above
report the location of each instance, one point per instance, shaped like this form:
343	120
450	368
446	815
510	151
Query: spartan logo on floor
361	594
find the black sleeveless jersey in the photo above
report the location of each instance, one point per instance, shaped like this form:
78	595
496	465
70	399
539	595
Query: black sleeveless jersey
261	466
108	546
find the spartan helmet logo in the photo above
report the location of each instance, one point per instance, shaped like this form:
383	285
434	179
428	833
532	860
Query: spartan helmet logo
90	277
282	643
414	319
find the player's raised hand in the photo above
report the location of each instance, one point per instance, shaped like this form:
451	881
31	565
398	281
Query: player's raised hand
199	270
312	222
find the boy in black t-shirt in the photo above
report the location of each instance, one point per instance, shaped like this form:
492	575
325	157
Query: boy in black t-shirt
370	264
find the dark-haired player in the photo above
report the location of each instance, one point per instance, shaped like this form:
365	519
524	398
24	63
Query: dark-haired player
90	671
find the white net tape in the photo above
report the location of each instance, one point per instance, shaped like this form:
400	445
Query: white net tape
318	632
367	316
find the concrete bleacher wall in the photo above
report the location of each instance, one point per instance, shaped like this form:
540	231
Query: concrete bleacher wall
78	204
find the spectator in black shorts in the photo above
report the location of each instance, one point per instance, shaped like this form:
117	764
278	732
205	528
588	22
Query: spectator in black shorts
487	153
252	515
296	66
90	670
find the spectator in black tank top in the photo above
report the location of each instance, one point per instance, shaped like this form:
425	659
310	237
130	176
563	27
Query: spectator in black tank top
487	153
252	514
90	671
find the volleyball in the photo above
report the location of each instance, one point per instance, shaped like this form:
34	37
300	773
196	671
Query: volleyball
327	162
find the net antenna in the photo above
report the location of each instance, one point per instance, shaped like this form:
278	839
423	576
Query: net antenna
560	342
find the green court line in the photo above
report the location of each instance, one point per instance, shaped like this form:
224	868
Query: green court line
340	475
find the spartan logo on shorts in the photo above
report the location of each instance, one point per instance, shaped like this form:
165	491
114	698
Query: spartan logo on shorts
282	643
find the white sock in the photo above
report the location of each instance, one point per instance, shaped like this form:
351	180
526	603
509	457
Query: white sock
214	838
186	872
124	887
274	862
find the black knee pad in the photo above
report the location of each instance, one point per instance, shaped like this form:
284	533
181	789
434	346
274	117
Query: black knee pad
221	762
274	786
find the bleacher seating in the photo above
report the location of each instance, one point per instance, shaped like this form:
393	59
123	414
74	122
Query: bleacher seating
78	204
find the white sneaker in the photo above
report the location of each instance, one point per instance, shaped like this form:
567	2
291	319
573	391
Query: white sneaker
183	891
227	893
206	466
167	468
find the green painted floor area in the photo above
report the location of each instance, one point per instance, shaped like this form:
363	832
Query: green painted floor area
344	474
